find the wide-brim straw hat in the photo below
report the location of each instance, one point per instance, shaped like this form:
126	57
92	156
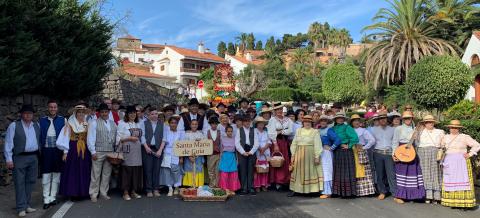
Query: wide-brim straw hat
307	118
394	114
277	105
455	124
355	117
340	115
79	107
266	110
429	118
380	115
260	119
407	115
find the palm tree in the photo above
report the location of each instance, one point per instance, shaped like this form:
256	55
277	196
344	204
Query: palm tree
314	33
273	55
405	36
301	56
242	41
344	40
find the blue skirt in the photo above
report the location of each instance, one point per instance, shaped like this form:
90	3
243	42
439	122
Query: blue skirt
228	162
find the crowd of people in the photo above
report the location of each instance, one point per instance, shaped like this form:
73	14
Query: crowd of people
315	151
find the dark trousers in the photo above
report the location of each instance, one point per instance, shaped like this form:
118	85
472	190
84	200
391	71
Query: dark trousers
245	171
151	170
385	171
24	177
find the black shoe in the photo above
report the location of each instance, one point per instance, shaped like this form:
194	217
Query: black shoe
243	193
253	192
46	206
291	194
53	203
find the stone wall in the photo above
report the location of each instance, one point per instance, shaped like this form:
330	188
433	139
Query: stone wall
128	90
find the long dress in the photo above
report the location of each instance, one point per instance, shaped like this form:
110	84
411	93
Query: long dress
457	186
306	177
170	170
132	170
409	175
428	145
188	165
261	179
280	175
344	177
228	173
75	176
330	139
365	185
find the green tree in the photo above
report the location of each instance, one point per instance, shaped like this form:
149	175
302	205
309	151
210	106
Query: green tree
270	44
231	49
250	42
259	45
438	81
343	83
207	76
221	48
405	36
242	41
60	49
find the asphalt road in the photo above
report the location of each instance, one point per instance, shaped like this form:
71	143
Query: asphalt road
271	204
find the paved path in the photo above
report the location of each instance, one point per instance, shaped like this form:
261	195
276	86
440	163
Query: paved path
271	204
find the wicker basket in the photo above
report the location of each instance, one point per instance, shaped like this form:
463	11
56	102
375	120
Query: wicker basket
261	169
115	158
202	198
277	161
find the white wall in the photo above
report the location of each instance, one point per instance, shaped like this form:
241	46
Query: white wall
472	49
235	64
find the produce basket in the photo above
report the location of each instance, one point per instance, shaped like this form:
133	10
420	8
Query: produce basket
190	194
277	161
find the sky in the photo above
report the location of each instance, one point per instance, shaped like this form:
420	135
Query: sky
185	23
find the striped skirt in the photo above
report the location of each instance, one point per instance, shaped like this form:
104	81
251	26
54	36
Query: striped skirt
344	181
465	198
409	180
431	172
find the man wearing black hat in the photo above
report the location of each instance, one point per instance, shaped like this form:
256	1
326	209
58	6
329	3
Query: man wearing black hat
101	137
21	152
186	118
220	108
243	103
246	143
51	157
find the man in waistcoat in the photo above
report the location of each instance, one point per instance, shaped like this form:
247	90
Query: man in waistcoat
192	114
214	134
101	136
152	140
21	152
51	157
246	145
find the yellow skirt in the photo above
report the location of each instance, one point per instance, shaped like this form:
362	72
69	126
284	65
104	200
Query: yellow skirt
460	198
359	168
306	177
188	179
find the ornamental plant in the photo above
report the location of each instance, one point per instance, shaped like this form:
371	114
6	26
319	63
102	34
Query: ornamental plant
343	83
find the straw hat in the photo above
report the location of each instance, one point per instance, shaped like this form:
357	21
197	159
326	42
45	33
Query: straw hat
266	110
355	117
260	119
394	114
380	115
325	117
407	114
455	124
428	118
79	107
339	115
277	105
307	118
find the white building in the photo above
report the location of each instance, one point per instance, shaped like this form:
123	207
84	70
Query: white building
241	59
471	58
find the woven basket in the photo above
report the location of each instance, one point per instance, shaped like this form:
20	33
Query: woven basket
115	158
260	169
202	198
277	161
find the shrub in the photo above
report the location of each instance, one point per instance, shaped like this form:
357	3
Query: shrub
438	81
463	110
343	83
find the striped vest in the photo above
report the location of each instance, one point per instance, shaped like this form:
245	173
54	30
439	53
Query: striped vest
105	140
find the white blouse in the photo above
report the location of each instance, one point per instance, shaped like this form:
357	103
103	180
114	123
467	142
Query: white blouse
274	124
123	130
431	138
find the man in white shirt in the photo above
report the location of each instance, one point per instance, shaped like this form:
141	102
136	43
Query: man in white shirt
186	118
246	144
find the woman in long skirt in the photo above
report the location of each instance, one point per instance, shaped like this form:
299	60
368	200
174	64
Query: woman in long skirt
260	180
129	134
330	141
193	135
170	171
429	143
458	189
363	172
75	177
306	148
228	172
344	177
279	128
409	175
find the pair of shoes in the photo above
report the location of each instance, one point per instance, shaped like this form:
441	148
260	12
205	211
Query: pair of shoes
135	195
257	189
46	206
324	196
149	195
156	193
381	197
22	214
252	192
176	191
53	203
428	201
31	210
398	200
170	192
264	189
105	197
93	199
127	197
241	193
291	194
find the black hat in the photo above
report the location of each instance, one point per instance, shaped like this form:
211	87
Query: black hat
251	110
193	101
103	107
26	108
290	112
337	105
213	119
243	100
131	109
116	101
246	118
203	106
169	108
231	109
221	104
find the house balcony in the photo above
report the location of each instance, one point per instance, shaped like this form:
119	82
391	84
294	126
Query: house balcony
190	70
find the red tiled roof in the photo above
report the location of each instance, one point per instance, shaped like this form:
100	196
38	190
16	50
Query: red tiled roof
195	54
245	61
142	71
476	34
256	53
128	37
157	46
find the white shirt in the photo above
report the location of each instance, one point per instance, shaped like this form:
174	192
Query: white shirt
274	124
143	140
431	138
92	133
51	128
239	147
31	143
181	123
